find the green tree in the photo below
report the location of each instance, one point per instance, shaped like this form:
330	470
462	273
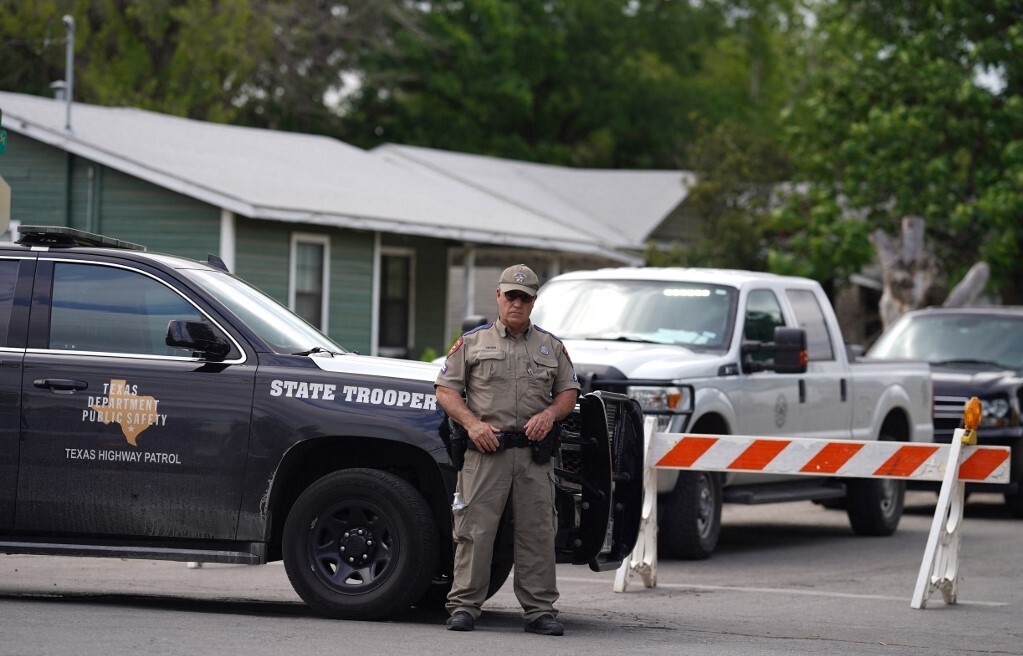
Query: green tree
187	58
266	63
915	109
604	83
738	171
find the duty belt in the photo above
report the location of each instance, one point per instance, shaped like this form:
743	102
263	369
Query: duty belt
506	441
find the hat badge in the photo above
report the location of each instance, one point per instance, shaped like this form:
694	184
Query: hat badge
520	278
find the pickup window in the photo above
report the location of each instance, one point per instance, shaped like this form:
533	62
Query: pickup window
763	315
811	319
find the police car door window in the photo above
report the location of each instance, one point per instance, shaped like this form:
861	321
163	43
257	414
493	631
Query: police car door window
112	310
8	278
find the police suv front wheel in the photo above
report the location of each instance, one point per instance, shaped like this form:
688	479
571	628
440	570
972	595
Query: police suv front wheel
360	544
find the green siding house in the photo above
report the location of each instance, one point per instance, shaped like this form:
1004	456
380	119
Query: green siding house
361	244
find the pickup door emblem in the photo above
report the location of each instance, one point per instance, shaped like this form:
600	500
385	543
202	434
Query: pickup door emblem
781	408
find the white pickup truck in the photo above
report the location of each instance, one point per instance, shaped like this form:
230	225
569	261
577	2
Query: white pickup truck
653	333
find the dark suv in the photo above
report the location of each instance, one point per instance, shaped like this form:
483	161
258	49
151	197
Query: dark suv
153	406
975	351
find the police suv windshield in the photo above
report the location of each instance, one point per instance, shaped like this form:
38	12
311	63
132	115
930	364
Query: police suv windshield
275	324
694	315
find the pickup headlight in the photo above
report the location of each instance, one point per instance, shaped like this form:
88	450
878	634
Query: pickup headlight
995	412
662	399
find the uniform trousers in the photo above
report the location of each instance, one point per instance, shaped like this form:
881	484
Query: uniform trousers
484	484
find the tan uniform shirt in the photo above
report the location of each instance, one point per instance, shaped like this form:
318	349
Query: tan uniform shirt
508	379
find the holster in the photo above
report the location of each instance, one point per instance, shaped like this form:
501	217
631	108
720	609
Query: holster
457	443
545	448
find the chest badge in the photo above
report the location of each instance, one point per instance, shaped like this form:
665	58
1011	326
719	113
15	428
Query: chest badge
544	350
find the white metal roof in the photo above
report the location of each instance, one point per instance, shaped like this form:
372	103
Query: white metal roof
286	176
623	205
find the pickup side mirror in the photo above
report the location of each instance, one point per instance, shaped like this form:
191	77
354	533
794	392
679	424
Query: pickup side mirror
197	336
788	348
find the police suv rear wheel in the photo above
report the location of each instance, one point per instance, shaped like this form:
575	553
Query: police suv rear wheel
360	544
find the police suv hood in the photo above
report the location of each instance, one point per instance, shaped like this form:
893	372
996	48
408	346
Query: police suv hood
643	360
972	379
350	363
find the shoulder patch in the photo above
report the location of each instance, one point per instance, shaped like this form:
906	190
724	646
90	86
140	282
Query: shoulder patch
454	347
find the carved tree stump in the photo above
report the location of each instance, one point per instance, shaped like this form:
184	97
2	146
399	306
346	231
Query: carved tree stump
910	271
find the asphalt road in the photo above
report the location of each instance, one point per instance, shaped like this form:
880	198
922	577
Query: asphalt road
787	579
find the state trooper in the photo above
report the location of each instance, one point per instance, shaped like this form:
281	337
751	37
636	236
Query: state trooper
518	382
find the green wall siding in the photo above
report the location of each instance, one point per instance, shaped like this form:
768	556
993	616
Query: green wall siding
35	173
104	201
431	283
264	257
161	219
351	288
262	251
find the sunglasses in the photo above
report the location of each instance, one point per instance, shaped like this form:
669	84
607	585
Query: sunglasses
519	296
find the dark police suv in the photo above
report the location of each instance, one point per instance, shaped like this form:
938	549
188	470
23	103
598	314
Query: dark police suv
157	407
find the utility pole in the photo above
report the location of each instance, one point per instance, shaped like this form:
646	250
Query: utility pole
69	65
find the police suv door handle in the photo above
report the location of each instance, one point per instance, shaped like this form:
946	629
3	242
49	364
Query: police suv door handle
61	385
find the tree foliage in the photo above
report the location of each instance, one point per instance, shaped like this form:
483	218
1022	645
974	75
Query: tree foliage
268	63
739	172
601	83
916	109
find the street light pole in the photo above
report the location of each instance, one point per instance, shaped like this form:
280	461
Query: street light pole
69	23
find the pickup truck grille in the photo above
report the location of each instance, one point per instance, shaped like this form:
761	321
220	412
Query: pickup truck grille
948	416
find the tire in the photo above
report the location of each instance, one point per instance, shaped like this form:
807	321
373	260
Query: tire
689	517
875	506
437	594
1014	500
371	516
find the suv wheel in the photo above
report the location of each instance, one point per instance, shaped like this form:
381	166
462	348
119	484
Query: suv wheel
360	544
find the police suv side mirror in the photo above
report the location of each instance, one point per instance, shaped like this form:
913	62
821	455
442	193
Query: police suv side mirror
197	336
788	348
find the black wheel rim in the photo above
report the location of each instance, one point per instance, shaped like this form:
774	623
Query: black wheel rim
353	546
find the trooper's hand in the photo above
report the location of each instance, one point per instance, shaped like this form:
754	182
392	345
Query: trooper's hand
482	435
539	425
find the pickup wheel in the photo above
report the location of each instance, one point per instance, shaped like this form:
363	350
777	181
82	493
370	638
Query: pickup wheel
360	544
689	517
874	505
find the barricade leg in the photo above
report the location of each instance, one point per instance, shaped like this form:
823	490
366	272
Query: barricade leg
643	559
940	567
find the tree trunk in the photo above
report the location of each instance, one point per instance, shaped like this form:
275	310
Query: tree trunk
910	272
970	287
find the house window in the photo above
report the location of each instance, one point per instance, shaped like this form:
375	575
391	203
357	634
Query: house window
309	275
393	337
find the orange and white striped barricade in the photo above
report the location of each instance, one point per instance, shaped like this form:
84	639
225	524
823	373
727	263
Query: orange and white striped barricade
803	456
940	567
